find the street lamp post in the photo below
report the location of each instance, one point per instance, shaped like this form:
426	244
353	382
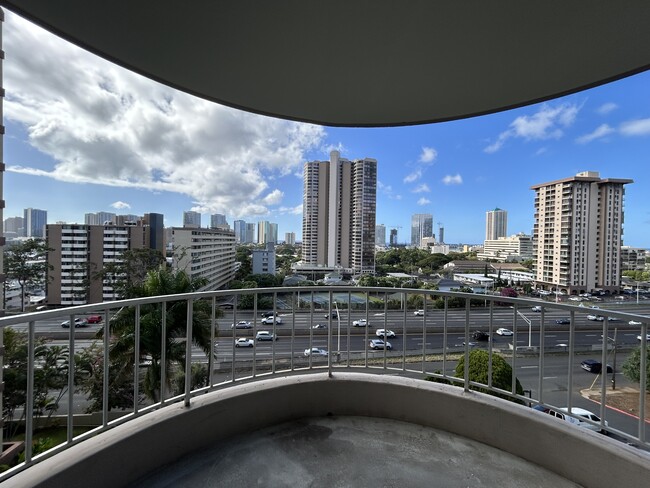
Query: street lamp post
530	329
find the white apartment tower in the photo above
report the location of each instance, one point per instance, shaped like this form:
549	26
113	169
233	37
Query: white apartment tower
339	213
496	224
578	233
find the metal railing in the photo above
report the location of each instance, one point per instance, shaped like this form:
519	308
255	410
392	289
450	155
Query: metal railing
158	340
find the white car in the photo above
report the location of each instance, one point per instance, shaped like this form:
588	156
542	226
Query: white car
265	335
244	342
640	337
242	324
360	323
385	332
77	323
315	351
379	344
597	318
269	320
419	312
586	414
536	308
502	331
634	322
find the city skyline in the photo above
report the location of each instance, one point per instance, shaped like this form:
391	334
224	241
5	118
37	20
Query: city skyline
192	154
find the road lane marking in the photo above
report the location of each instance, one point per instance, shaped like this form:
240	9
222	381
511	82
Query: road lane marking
528	367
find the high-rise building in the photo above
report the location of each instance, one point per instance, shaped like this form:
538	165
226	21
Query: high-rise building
578	233
421	227
263	229
339	212
496	224
218	220
35	221
240	231
290	238
156	224
273	233
380	235
14	226
205	253
99	218
441	233
191	219
393	237
250	233
79	252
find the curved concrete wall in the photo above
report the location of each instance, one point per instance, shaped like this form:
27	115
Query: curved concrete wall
131	450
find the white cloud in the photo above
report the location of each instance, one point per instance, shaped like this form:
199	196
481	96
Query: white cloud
297	210
334	147
600	131
416	175
606	108
424	201
548	122
422	188
105	125
452	180
388	191
120	205
541	151
428	155
639	127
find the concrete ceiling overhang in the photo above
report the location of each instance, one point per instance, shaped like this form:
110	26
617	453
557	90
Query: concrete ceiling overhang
363	62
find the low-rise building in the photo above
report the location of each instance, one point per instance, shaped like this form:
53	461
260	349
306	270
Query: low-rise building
263	260
518	247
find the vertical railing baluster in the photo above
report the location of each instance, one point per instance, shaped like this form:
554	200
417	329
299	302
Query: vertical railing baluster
386	328
273	332
490	319
444	335
349	304
136	359
163	351
188	352
70	420
570	365
424	331
513	380
295	307
213	325
254	368
106	366
234	337
29	400
643	380
466	371
603	371
329	334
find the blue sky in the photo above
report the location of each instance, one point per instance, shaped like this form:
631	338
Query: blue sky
83	135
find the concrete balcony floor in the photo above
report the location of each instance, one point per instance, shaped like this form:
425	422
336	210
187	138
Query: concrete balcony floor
352	451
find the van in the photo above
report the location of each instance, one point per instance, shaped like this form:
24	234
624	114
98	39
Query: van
562	414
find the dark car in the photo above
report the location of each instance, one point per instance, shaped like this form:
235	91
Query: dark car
479	335
334	315
594	366
562	321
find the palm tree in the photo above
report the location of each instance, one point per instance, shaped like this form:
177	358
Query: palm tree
161	281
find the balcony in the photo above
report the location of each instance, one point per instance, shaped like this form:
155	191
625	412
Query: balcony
367	416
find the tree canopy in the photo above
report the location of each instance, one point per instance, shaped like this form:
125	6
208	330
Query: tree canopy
26	263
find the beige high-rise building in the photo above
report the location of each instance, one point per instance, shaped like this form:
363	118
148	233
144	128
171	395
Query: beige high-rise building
339	213
496	224
578	233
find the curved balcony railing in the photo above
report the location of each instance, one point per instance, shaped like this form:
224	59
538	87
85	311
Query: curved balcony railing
318	330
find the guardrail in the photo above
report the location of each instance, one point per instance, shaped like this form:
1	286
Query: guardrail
150	340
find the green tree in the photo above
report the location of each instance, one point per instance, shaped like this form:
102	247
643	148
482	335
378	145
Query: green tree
161	281
632	367
26	263
478	372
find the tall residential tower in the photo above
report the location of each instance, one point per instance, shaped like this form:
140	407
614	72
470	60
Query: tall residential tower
421	227
578	233
496	224
339	213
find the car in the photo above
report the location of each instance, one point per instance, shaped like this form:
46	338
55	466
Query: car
594	366
319	326
375	344
94	319
315	351
244	342
563	321
265	335
576	299
242	324
634	322
385	332
598	318
266	314
78	322
269	320
640	337
613	319
479	335
536	308
502	331
334	315
586	414
360	323
419	312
